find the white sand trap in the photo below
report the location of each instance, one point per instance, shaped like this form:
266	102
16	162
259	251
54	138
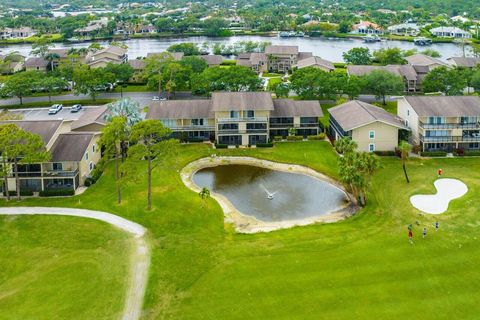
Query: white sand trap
447	190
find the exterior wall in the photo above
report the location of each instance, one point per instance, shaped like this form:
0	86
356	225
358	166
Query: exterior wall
93	157
406	112
386	137
35	68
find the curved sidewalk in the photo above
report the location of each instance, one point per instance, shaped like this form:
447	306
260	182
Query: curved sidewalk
140	257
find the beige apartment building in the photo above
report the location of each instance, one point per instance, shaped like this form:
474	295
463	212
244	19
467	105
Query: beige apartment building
442	123
101	58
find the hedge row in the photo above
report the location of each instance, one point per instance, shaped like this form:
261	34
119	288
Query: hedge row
221	146
385	153
23	193
294	138
433	154
264	145
59	192
320	136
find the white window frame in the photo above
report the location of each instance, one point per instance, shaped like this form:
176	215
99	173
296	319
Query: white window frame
371	147
370	134
93	148
90	166
86	155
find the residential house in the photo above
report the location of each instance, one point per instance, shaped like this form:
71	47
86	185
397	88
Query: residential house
366	27
371	127
404	29
11	63
63	55
92	120
237	118
283	58
257	61
101	58
177	56
442	122
16	33
423	64
464	62
36	64
315	62
406	72
138	65
212	59
450	32
73	157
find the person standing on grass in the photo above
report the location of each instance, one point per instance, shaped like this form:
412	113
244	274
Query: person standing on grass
440	171
436	226
424	232
410	236
410	227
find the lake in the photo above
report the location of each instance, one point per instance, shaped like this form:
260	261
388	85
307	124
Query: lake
330	49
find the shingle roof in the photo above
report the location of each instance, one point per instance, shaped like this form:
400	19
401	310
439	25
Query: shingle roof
296	108
90	116
355	114
113	49
312	61
62	53
212	59
137	64
467	62
276	49
36	62
423	60
177	56
227	101
406	71
44	128
445	106
304	55
70	146
180	109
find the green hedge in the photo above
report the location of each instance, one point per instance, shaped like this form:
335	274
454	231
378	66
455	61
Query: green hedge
320	136
385	153
59	192
277	138
23	193
340	65
264	145
294	138
433	154
227	62
471	153
221	146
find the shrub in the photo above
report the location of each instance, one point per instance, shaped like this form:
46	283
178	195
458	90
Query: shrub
264	145
385	153
471	153
294	138
221	146
195	140
23	193
57	192
277	138
433	154
459	152
229	62
416	149
320	136
340	65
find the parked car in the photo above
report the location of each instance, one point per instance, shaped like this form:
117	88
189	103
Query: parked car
54	109
76	108
156	98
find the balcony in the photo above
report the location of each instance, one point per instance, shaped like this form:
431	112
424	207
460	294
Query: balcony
451	139
192	128
49	174
237	131
230	120
443	126
291	125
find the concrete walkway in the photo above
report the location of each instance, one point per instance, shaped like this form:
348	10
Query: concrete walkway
140	257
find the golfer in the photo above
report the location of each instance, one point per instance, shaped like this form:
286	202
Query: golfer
424	232
436	226
410	236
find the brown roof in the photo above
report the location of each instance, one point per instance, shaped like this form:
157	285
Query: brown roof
36	62
275	49
137	64
227	101
70	146
62	53
406	71
212	59
445	106
420	59
244	62
296	108
312	61
304	55
467	62
90	116
44	128
180	109
113	49
355	114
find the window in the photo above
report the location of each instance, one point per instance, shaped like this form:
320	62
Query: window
93	148
90	166
437	133
436	120
371	147
234	114
197	122
169	123
408	112
250	114
57	166
371	134
86	155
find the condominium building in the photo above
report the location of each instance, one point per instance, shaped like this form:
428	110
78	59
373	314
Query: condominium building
101	58
442	122
237	118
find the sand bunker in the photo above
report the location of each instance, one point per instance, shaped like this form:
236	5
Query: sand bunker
447	190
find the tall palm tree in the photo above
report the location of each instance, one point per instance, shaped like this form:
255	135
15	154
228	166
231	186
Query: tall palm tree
204	194
405	149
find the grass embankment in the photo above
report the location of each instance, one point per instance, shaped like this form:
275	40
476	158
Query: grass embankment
65	103
62	268
362	268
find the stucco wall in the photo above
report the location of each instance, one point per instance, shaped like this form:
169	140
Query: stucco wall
386	137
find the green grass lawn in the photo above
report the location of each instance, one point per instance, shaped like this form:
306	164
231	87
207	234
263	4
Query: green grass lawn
61	268
360	268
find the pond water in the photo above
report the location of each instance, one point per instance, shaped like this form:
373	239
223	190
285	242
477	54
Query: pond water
330	49
271	195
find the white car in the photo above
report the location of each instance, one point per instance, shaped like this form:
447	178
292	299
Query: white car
156	98
55	108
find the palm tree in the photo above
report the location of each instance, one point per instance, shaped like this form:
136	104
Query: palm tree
345	145
50	57
204	194
405	149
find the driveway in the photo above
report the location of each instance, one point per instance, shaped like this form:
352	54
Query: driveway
140	258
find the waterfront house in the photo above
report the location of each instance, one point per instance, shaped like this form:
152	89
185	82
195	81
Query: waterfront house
257	61
237	118
138	65
276	58
212	59
16	33
442	122
101	58
464	62
371	127
315	62
73	157
423	64
366	27
450	32
404	29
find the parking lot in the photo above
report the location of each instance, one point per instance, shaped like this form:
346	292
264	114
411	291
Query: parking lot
42	113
